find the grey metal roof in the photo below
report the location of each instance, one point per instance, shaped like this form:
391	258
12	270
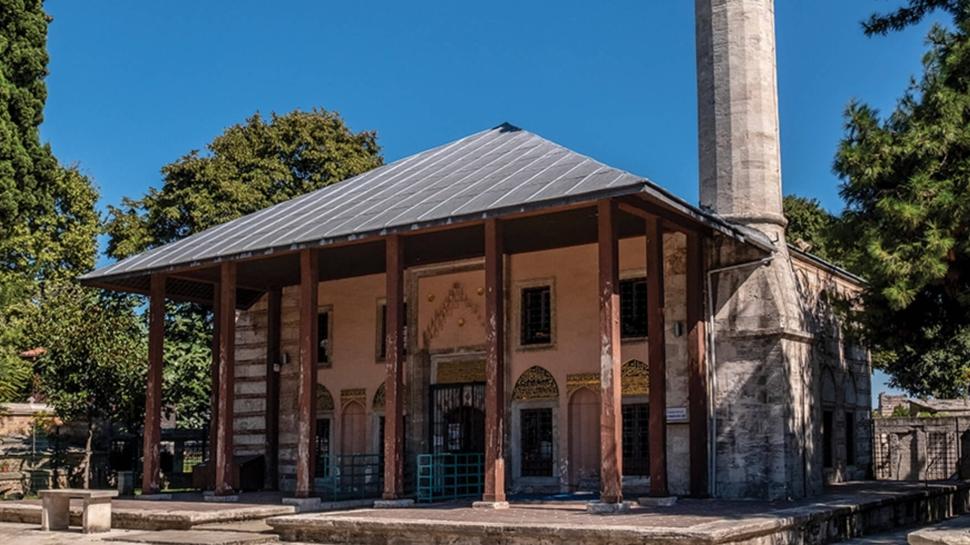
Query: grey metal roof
501	170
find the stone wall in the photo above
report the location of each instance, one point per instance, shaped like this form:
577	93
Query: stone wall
921	448
783	360
249	416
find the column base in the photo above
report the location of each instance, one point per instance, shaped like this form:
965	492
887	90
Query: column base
304	505
490	505
227	498
154	497
393	504
657	501
603	508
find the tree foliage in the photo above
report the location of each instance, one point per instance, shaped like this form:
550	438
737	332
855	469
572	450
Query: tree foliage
93	366
813	229
914	12
906	182
188	358
48	221
95	351
249	167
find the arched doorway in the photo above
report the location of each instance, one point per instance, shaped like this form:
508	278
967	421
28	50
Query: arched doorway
584	440
353	429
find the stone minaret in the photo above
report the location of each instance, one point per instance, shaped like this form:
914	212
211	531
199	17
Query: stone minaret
762	402
740	155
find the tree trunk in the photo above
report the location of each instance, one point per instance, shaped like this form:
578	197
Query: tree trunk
88	448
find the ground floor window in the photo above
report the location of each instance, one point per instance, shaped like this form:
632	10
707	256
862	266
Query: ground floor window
636	450
827	438
536	441
323	447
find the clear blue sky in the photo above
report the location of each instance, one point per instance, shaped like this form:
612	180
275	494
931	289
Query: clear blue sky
134	86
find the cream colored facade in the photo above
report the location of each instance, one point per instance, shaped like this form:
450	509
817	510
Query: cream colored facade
446	337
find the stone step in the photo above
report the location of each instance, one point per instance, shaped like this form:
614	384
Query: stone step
195	537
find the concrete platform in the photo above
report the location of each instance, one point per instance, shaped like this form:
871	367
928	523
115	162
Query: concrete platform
843	512
154	514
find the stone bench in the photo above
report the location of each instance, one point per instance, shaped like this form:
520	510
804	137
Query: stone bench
56	509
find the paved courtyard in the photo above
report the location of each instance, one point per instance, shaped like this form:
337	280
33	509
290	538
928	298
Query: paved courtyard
237	533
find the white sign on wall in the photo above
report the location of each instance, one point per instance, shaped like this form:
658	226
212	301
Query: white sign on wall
676	415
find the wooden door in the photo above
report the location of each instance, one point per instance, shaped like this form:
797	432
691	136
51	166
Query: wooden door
584	440
353	429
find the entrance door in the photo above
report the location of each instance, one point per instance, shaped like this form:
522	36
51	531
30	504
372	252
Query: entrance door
584	440
458	418
458	442
353	433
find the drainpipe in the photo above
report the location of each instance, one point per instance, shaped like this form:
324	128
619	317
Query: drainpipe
712	362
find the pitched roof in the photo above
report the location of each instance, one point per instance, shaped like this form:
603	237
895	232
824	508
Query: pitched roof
490	173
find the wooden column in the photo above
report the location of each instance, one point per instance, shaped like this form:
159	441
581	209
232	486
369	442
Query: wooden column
274	299
306	390
656	355
214	391
394	361
227	373
150	478
494	363
611	439
696	366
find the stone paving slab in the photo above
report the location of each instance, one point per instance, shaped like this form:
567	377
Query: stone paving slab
195	537
951	532
31	534
152	515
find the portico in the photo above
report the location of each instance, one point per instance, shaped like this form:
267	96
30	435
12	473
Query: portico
572	287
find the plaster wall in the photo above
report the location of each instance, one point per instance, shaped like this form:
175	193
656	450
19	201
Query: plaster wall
445	319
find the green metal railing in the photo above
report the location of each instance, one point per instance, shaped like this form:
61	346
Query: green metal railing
450	476
350	476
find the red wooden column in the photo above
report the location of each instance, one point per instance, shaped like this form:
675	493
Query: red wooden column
494	364
227	373
274	299
214	390
150	478
394	361
611	439
696	365
657	358
306	390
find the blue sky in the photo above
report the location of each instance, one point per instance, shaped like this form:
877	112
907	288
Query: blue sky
134	86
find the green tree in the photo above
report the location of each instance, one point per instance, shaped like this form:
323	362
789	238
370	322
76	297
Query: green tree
813	228
906	183
247	168
48	221
93	367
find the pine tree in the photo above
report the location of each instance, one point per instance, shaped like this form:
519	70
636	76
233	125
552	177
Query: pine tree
906	183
